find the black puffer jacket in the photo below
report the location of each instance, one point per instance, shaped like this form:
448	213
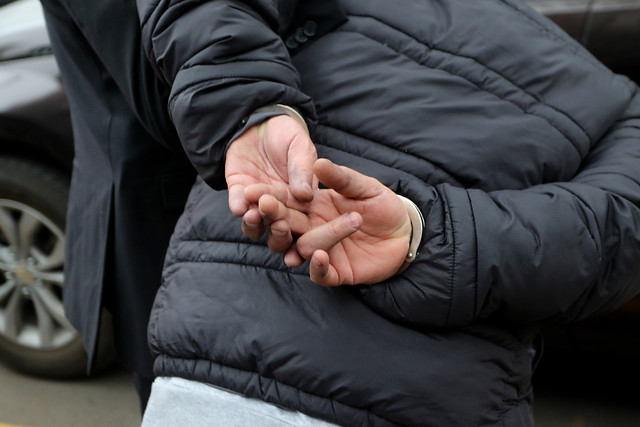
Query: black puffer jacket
522	151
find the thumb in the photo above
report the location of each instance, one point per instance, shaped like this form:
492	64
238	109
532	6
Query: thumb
300	160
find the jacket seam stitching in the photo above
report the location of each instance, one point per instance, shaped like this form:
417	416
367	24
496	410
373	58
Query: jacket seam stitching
630	178
171	4
452	262
238	263
210	81
156	313
475	256
406	152
277	381
203	84
624	128
271	61
588	207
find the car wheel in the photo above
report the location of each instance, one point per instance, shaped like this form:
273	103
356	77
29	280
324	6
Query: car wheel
35	336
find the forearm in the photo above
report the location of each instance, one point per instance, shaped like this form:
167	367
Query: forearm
554	252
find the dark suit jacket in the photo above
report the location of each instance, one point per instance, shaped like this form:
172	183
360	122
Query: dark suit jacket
130	175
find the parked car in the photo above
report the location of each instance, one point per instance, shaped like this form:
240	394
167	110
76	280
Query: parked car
36	153
610	29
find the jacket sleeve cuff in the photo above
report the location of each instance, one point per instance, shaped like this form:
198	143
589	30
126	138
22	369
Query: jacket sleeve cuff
265	113
439	288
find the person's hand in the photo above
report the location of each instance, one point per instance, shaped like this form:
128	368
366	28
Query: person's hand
356	231
279	154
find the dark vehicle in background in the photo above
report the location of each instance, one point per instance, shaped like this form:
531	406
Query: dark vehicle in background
36	153
35	162
609	29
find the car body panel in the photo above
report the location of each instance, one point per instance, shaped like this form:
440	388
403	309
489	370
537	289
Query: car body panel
614	34
22	31
34	111
609	29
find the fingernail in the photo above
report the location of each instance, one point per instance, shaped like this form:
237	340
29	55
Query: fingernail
354	220
279	233
249	225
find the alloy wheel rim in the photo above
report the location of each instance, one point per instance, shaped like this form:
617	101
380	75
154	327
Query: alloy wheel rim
31	279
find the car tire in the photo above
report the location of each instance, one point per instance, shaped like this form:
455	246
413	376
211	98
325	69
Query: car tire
35	337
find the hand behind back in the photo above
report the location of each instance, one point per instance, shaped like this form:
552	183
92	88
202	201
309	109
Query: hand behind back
277	153
354	232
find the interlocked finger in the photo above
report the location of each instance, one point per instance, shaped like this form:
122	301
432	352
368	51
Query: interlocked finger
238	205
272	210
279	239
292	258
253	193
252	224
274	215
326	236
321	271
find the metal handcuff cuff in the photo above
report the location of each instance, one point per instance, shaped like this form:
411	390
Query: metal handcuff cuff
286	110
417	226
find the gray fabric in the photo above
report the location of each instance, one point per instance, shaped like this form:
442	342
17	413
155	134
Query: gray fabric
179	402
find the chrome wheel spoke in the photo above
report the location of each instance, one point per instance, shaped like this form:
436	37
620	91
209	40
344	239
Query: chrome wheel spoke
45	325
52	304
13	320
6	289
55	277
8	227
31	259
27	227
51	261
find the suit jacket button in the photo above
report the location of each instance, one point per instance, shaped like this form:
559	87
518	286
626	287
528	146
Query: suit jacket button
310	28
291	42
299	36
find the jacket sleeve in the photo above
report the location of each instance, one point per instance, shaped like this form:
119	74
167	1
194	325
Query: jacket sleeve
554	252
222	59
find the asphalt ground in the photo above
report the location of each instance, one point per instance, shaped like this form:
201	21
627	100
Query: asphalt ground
570	392
108	399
